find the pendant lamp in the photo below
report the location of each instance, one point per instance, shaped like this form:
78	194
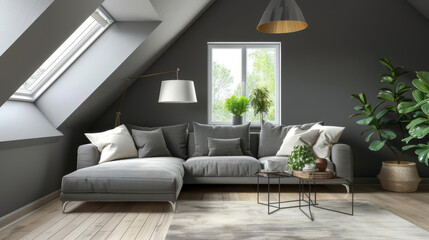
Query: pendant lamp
282	16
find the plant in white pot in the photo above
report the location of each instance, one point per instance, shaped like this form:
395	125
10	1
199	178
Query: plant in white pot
301	157
385	122
237	106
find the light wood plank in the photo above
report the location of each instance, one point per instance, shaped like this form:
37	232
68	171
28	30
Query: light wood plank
152	220
90	232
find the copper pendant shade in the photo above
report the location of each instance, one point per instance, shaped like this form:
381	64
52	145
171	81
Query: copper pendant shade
282	16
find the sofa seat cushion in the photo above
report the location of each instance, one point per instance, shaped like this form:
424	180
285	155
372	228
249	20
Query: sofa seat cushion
148	175
221	166
285	159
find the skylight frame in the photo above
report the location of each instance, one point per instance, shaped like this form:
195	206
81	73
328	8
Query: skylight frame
99	21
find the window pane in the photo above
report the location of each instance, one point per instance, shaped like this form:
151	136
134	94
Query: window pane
226	80
261	72
64	56
60	54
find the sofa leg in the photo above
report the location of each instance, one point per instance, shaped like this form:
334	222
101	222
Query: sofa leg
348	190
173	205
64	206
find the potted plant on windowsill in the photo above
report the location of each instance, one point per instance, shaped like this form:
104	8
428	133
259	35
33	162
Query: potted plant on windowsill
237	106
384	121
260	101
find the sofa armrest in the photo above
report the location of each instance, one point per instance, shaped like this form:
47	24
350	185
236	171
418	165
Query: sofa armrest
342	157
87	156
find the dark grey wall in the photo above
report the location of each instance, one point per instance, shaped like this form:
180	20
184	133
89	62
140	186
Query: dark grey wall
321	66
31	169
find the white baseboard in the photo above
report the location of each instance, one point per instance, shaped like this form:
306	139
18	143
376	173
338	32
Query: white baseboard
27	209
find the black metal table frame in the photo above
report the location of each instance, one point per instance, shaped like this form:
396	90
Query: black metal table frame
312	185
302	194
278	203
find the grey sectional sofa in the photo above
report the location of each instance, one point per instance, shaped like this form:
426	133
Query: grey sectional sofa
162	178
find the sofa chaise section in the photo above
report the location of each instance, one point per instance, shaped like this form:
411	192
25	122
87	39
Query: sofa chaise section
137	179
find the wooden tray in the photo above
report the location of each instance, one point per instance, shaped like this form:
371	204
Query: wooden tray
314	175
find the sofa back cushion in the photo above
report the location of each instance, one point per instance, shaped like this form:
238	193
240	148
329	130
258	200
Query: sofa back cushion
272	137
254	143
204	131
175	136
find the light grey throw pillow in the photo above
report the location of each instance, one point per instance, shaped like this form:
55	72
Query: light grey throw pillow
150	143
175	136
224	147
203	131
272	136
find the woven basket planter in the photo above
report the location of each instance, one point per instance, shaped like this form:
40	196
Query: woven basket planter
401	177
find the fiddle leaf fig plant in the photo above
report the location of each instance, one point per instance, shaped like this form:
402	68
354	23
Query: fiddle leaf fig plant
299	157
237	105
418	128
381	126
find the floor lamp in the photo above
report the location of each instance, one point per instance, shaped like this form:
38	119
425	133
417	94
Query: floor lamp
172	91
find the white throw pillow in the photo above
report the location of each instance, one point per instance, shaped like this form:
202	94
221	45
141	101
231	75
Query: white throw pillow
296	136
329	135
114	144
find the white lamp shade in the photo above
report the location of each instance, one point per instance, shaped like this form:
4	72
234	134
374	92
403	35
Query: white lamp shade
177	91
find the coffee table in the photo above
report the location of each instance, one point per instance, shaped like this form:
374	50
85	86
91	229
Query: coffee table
311	185
269	176
303	195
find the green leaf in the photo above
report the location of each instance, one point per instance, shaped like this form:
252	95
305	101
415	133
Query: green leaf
423	156
408	139
425	108
404	90
386	62
419	131
387	134
400	86
365	121
381	113
376	145
424	76
416	122
366	130
405	148
358	108
362	98
418	95
377	105
357	114
421	85
386	95
406	107
369	137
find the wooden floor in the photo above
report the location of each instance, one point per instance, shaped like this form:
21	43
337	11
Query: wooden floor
151	220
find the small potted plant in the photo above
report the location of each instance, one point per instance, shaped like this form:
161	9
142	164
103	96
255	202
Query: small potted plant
237	106
301	156
260	101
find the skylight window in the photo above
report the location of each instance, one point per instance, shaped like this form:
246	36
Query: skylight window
64	56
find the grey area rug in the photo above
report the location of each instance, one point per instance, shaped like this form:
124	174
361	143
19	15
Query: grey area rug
249	220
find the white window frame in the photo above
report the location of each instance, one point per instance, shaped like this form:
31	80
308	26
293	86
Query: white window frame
66	58
244	46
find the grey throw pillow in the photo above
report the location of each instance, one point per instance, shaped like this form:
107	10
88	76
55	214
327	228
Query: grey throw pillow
224	147
150	143
175	136
203	131
271	137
